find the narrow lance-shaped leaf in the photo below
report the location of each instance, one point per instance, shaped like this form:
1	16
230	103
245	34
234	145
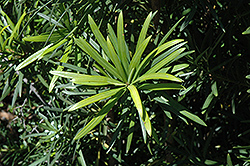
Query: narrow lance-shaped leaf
12	25
144	30
92	78
39	54
121	43
83	78
165	61
116	61
152	54
50	19
247	31
1	38
113	37
161	86
131	130
170	31
55	36
95	55
153	76
138	104
207	102
16	29
98	35
64	59
95	98
167	53
193	117
137	56
32	58
96	120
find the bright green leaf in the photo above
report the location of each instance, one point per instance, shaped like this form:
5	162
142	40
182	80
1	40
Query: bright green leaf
214	89
37	55
193	117
95	98
138	104
96	120
155	76
165	61
247	31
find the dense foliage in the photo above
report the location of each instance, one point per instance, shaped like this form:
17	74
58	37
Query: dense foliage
114	82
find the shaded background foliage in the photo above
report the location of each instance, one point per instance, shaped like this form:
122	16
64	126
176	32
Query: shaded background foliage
216	87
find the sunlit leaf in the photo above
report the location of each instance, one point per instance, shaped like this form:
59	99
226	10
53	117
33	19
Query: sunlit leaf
122	47
156	76
95	55
37	55
144	30
214	89
207	102
138	104
96	120
137	56
193	117
247	31
95	98
165	61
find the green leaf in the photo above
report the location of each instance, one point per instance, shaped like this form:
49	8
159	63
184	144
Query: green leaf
50	19
116	134
96	120
138	104
165	61
169	32
168	52
161	86
98	79
38	161
113	37
154	134
229	161
130	131
95	98
95	55
12	25
154	76
81	159
122	47
144	30
152	54
98	36
214	89
1	38
55	36
116	61
137	56
247	31
86	79
64	59
37	55
207	102
248	77
55	46
15	31
66	74
193	117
